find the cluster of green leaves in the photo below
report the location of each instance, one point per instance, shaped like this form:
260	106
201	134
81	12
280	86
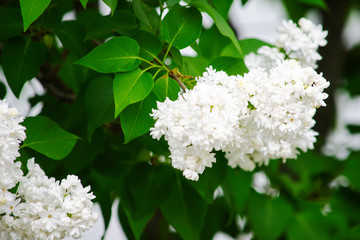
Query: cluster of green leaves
103	76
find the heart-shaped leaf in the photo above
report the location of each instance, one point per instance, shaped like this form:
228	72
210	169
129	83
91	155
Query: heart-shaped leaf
181	26
119	54
47	137
21	62
220	22
135	118
31	10
131	87
99	103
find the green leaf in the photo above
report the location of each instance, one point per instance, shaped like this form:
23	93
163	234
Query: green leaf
119	54
350	171
122	22
181	26
137	225
88	18
346	201
298	178
84	3
147	187
219	21
125	222
269	218
309	225
172	3
195	66
106	203
248	45
131	87
72	75
211	179
31	10
115	164
195	47
10	22
71	35
46	137
354	232
21	62
295	10
222	6
102	188
212	43
84	153
147	15
112	5
217	219
2	90
166	87
252	45
236	188
184	209
136	120
99	103
231	65
353	128
176	57
243	2
150	45
316	3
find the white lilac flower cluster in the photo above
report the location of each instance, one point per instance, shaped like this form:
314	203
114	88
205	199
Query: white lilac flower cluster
41	207
299	43
200	120
11	135
266	114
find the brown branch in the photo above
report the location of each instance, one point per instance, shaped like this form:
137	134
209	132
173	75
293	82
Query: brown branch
53	84
181	84
96	42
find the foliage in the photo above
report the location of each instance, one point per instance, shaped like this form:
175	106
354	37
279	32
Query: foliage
104	74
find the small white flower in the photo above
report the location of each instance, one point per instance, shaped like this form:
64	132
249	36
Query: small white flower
299	43
266	57
302	43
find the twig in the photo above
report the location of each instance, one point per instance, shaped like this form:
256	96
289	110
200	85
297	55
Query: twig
96	42
181	84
